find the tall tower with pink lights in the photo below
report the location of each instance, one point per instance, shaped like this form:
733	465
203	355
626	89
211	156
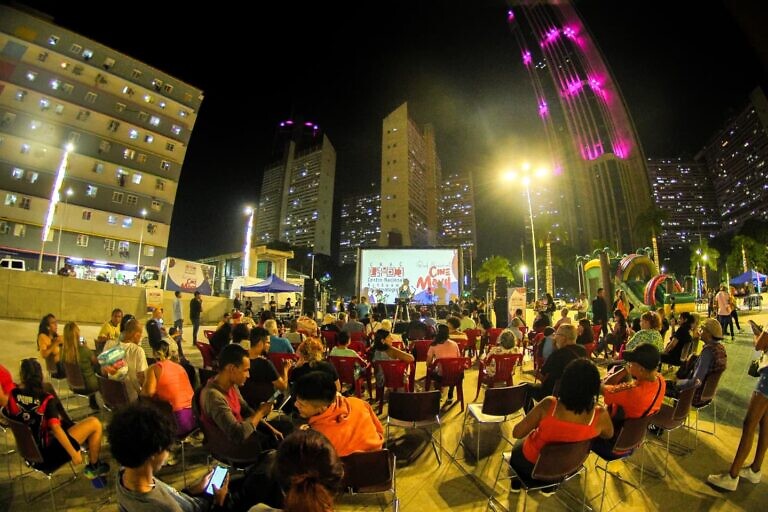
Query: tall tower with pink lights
598	162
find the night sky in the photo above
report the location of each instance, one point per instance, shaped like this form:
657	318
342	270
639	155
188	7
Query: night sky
684	68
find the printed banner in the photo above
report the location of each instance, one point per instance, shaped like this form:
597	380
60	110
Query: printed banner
154	298
516	300
188	276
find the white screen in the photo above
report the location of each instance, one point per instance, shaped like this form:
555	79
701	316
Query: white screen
433	274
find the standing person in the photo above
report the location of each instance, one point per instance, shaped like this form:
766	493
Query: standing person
734	312
195	310
757	415
723	303
57	437
49	345
237	304
600	312
178	316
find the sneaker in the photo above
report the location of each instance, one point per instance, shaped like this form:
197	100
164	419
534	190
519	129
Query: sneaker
515	485
92	471
723	481
657	431
548	491
751	476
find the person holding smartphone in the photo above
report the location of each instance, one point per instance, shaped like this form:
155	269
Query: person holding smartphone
140	437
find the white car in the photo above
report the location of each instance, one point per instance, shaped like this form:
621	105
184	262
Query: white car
13	264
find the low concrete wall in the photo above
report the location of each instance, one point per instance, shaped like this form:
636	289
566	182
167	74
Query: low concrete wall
32	295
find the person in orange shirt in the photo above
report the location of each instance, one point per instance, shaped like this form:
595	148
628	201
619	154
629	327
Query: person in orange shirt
348	422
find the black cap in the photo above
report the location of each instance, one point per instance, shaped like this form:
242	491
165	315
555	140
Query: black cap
646	355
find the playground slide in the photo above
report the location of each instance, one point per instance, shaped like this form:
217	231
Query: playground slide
633	290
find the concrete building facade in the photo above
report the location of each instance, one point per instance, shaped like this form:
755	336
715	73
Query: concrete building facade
360	225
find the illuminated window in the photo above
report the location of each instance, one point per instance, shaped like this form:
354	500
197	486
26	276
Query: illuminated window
149	139
165	165
91	191
45	104
112	219
157	84
53	40
17	173
81	241
87	54
129	154
136	178
31	76
20	95
133	133
127	223
154	121
149	250
176	129
183	113
32	176
20	230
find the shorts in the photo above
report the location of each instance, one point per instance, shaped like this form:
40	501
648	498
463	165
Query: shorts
762	383
55	455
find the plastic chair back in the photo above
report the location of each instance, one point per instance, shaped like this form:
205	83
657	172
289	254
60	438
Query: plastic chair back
114	392
420	349
357	346
369	472
632	434
708	389
25	441
472	336
558	461
493	335
395	373
452	370
345	367
505	368
596	330
206	350
505	401
357	336
75	377
330	338
208	334
414	407
277	359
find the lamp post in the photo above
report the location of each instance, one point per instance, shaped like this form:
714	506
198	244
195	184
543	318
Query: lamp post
312	267
67	195
525	178
524	271
141	241
251	212
54	199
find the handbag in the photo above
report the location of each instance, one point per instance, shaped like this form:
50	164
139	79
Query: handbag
757	365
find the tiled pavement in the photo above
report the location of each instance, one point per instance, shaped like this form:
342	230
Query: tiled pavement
424	485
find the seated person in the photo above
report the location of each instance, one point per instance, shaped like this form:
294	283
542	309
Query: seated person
329	323
76	353
348	422
573	416
241	335
263	378
6	385
547	344
566	351
57	437
564	319
310	354
223	408
111	328
353	325
49	345
167	380
293	335
221	337
686	337
140	438
640	397
382	350
507	345
650	324
454	333
712	359
277	345
135	358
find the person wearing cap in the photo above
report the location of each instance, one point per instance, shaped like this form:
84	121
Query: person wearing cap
638	398
712	359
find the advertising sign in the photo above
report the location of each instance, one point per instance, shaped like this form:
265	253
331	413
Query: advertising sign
187	276
432	276
154	298
516	300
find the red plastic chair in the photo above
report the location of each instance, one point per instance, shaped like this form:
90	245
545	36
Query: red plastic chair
596	330
206	350
357	336
419	349
451	374
345	367
357	346
396	375
277	359
330	338
473	335
505	369
493	337
208	334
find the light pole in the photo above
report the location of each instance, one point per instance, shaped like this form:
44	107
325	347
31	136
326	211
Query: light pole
67	195
525	178
251	212
54	199
141	241
312	267
524	271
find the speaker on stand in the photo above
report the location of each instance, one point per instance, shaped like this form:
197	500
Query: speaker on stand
309	302
500	303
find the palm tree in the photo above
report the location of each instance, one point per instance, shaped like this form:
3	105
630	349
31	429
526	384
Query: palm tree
493	267
650	222
746	253
703	256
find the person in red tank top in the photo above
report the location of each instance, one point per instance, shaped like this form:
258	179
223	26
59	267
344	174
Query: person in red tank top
571	417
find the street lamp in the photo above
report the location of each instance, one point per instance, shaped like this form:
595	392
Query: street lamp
54	199
524	271
525	178
141	241
251	212
67	195
312	267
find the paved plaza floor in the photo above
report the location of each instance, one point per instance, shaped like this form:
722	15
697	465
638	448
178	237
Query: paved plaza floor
464	485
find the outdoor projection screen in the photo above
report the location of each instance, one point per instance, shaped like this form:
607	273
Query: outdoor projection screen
434	274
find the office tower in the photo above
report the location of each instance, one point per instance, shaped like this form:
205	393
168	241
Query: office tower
129	125
360	225
296	201
683	189
457	214
596	155
737	158
410	170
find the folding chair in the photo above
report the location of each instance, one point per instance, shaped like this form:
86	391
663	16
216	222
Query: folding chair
707	398
416	410
499	406
33	458
114	393
672	417
371	473
76	382
557	463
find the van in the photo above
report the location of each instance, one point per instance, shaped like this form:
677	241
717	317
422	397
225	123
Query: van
13	264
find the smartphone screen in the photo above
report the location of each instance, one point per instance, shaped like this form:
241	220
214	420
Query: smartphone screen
217	479
280	408
275	396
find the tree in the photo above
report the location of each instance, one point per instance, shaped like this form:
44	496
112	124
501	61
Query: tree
493	267
650	223
703	256
755	252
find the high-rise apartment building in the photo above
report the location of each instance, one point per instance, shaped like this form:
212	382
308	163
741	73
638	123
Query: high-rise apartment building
737	158
457	214
296	202
596	155
360	225
683	189
129	125
410	171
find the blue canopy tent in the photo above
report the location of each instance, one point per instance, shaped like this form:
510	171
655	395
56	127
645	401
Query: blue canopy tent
272	284
751	276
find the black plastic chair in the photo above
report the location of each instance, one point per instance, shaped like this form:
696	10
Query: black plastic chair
371	473
557	463
76	382
33	458
672	417
707	398
115	393
416	410
499	406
